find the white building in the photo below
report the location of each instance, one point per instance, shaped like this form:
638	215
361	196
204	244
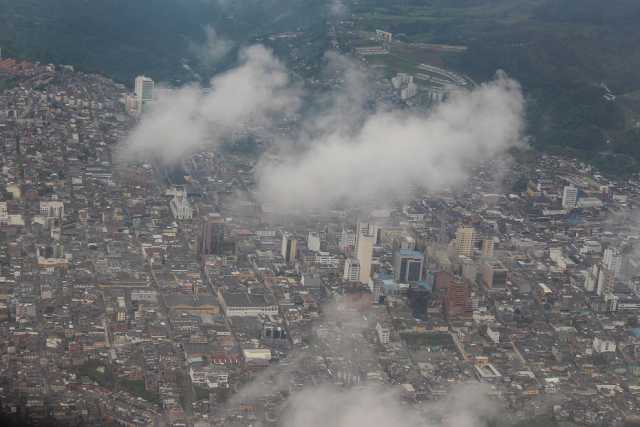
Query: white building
612	260
351	270
327	260
209	376
180	206
52	209
288	249
313	242
603	346
569	197
365	239
384	334
589	203
144	92
591	279
347	240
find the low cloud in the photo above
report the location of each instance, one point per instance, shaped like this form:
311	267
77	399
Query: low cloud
465	406
252	95
347	152
212	50
392	153
337	8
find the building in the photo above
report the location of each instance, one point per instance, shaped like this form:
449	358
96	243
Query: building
612	260
384	333
144	92
569	197
121	309
591	278
52	209
457	299
347	240
326	260
606	281
589	203
494	274
313	242
289	248
384	36
408	266
351	270
212	235
365	239
487	248
466	238
243	304
180	206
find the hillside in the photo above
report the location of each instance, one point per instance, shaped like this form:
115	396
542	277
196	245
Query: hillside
124	38
564	52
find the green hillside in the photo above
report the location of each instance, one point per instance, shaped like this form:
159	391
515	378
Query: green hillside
562	51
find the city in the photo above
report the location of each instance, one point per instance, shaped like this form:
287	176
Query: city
140	293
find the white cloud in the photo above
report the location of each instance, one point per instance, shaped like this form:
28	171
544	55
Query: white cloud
255	93
373	406
213	49
392	152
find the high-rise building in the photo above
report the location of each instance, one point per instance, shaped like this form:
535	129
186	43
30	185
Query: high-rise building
212	236
289	248
591	278
487	248
404	242
466	238
606	281
612	260
52	209
408	266
365	239
347	240
569	197
313	242
180	206
494	274
351	270
457	300
144	92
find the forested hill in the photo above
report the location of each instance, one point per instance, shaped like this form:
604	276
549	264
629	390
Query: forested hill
560	50
123	38
567	54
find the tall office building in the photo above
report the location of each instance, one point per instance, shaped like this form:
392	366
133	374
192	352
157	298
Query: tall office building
457	300
494	274
404	242
347	240
212	235
313	242
364	241
289	248
144	92
180	206
612	260
466	238
408	266
351	270
569	197
606	281
487	248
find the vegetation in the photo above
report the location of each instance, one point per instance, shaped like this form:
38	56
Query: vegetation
123	38
567	55
103	375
